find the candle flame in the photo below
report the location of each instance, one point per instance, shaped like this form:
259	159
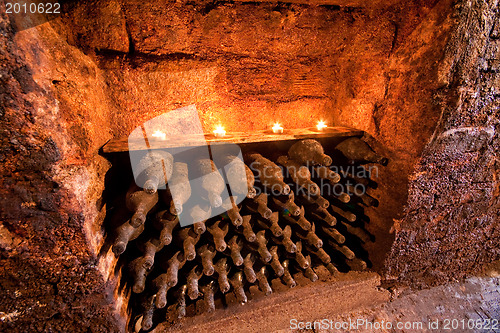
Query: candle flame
321	124
277	128
159	134
219	131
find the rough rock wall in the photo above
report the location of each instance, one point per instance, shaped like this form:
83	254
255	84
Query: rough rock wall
452	225
51	186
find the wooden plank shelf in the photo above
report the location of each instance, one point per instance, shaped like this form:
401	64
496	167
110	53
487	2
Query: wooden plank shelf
124	144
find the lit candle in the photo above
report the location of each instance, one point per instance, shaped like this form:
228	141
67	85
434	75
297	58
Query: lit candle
219	131
159	135
321	125
277	128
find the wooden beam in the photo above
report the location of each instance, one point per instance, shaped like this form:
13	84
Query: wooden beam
124	145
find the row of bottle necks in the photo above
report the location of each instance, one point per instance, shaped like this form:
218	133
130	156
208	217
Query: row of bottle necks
264	237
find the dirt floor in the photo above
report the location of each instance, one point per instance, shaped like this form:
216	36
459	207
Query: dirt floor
358	303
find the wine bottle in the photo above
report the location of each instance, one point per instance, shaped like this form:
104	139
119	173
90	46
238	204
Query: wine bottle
149	248
165	222
139	274
124	234
155	169
344	214
358	232
207	254
264	286
310	237
286	240
147	315
286	204
140	203
271	224
342	249
246	229
321	214
181	302
233	211
239	176
199	214
235	246
300	175
179	188
298	220
165	281
365	198
327	174
333	234
193	278
358	151
187	238
237	284
261	246
222	269
287	276
212	183
275	262
218	235
248	263
313	200
309	152
208	295
259	205
270	175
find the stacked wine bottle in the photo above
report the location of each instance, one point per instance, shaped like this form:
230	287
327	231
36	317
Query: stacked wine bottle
287	224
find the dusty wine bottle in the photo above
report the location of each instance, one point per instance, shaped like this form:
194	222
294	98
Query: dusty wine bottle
261	246
147	316
309	152
235	246
208	295
287	276
239	176
248	263
358	151
275	262
181	302
165	222
199	214
264	286
300	175
139	274
212	183
286	204
222	269
155	169
246	229
334	234
187	238
270	175
237	284
325	173
218	235
193	278
351	217
313	200
140	203
178	187
298	220
149	248
310	237
321	214
259	205
124	234
207	254
342	249
286	240
271	224
233	211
